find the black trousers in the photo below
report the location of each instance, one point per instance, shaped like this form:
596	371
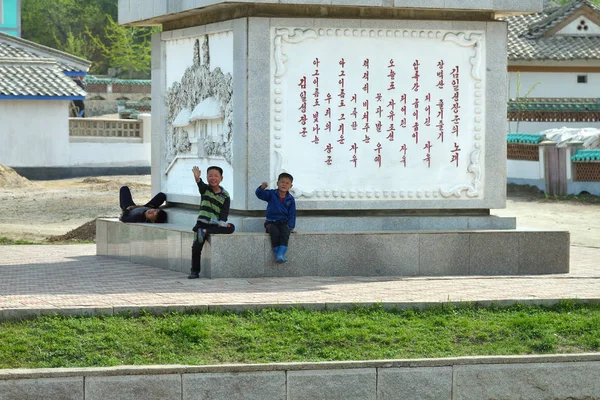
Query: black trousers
279	231
197	246
125	199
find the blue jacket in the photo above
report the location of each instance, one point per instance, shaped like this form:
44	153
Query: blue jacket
278	210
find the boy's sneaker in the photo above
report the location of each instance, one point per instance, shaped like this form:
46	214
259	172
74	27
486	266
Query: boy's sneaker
194	275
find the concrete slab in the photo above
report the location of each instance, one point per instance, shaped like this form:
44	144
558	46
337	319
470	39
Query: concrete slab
47	389
133	387
226	386
396	253
356	384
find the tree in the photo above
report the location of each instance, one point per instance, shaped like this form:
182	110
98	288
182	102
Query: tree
87	28
126	48
61	24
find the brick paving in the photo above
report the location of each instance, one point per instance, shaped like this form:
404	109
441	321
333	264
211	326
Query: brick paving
71	279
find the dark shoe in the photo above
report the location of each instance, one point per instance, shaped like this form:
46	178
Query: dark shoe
193	275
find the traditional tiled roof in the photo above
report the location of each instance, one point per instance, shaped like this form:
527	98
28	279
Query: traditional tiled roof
554	104
105	81
35	79
524	138
528	37
586	156
31	71
11	46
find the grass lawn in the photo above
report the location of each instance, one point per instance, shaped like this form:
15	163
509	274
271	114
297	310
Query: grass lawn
299	335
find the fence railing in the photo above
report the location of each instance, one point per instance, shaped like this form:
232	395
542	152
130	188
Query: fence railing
106	128
526	152
554	109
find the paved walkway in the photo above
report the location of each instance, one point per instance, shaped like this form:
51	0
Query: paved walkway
71	279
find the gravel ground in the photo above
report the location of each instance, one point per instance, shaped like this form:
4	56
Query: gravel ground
38	210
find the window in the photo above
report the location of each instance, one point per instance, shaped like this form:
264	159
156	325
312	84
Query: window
581	78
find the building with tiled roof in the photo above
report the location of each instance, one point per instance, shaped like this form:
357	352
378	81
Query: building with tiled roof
32	71
554	58
36	91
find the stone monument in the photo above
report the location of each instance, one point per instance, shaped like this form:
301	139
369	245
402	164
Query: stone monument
390	115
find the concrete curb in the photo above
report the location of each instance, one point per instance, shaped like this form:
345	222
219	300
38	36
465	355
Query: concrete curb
529	377
38	373
28	313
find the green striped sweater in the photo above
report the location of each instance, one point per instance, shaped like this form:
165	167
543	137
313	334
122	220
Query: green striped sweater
213	205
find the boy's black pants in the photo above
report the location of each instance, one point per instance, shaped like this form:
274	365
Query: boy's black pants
279	231
125	199
197	247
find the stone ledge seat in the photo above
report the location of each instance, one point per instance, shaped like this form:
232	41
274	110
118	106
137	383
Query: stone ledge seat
385	253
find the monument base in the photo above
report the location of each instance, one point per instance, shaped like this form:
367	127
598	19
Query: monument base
465	252
361	221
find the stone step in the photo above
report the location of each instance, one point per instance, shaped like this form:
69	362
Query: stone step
385	253
358	223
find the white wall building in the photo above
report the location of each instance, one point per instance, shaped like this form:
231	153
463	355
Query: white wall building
554	56
37	138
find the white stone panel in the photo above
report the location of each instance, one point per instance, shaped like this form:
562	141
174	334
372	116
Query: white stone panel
191	137
180	52
181	180
413	92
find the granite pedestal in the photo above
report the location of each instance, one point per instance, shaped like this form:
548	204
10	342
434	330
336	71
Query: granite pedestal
408	253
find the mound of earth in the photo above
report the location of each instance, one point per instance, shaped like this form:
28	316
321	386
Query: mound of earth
10	179
84	233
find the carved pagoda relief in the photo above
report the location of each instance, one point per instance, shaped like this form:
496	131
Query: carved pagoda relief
199	111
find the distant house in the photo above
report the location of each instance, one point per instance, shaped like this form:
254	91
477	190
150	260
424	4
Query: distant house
554	67
10	17
36	90
554	77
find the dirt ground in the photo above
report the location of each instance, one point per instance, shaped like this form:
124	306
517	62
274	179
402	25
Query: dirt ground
38	210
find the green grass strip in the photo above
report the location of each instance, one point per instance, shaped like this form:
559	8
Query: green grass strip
297	335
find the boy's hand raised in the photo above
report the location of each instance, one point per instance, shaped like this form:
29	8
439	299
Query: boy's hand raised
263	185
197	173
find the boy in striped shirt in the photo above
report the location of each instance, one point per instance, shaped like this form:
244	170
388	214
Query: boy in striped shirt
214	210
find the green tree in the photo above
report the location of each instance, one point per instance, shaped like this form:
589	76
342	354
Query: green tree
125	48
61	24
87	28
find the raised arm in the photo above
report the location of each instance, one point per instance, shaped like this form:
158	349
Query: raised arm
202	187
261	193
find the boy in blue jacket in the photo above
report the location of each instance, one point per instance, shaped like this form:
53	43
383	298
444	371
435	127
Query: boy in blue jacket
281	213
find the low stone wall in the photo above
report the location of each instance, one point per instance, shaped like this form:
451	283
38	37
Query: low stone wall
557	377
390	253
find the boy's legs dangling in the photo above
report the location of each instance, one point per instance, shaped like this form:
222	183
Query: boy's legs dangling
202	230
283	231
196	256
